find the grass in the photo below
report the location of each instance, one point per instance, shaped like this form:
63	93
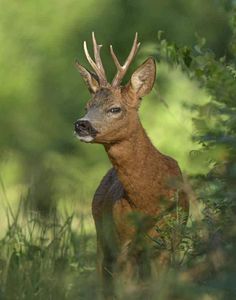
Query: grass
54	257
45	257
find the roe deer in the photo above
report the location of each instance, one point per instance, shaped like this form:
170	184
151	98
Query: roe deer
140	180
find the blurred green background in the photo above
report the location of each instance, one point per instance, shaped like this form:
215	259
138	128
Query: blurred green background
42	94
42	165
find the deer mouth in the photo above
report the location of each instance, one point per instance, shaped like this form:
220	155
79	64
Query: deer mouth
86	139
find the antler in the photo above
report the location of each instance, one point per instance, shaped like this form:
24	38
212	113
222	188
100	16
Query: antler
121	70
97	65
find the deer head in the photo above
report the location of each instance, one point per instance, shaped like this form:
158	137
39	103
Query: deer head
112	112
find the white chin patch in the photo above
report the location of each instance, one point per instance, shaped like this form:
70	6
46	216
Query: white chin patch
86	139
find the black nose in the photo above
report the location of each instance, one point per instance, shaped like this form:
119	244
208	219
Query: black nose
84	127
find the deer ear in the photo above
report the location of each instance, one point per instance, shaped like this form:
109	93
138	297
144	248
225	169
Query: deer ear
90	78
143	78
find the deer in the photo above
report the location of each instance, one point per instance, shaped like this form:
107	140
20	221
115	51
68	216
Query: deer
140	181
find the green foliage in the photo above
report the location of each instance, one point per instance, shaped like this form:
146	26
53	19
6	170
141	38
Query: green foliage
215	130
44	255
41	94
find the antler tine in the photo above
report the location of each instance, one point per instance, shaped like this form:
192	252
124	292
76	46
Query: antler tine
97	65
121	70
92	63
96	49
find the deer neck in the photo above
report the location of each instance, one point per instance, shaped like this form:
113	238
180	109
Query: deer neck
136	162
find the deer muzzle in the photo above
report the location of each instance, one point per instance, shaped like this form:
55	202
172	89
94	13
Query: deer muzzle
85	131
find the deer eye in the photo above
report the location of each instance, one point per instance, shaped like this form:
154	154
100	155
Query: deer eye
114	110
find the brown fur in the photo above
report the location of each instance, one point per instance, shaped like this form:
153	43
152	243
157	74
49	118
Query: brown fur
140	181
143	183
